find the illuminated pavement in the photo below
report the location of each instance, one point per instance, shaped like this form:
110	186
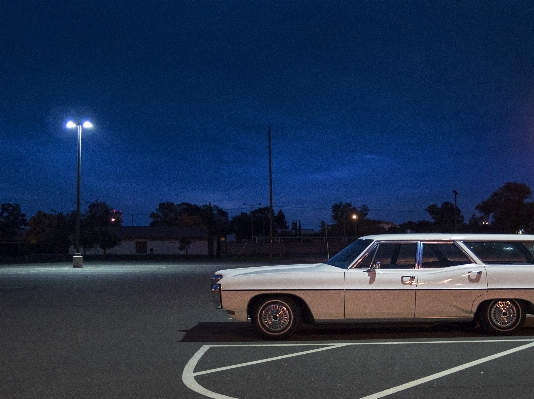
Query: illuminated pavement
101	331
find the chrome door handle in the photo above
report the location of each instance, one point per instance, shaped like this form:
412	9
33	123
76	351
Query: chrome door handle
474	276
407	280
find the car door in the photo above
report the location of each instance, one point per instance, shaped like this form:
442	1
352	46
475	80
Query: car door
448	282
383	284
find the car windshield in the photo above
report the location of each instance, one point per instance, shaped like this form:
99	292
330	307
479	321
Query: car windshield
346	257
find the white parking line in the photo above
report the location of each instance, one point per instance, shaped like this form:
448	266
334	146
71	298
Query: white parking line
271	359
189	374
445	372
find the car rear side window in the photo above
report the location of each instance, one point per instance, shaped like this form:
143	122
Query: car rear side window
502	252
443	255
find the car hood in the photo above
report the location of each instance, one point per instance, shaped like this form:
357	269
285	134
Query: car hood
301	268
282	277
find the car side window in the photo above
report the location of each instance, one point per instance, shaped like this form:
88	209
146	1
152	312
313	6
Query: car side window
391	256
443	255
501	252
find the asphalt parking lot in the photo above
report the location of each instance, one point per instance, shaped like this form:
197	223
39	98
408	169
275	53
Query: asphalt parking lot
358	369
150	331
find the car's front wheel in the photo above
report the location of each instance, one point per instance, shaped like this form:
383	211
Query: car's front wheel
276	318
502	316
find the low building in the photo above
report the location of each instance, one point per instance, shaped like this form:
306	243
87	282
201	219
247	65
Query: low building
163	240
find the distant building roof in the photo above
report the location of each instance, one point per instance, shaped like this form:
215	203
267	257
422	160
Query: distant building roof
157	233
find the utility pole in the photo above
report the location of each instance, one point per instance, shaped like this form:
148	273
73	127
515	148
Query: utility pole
270	194
455	209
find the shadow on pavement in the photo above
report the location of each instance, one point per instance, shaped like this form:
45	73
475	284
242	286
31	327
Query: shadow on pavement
244	332
221	332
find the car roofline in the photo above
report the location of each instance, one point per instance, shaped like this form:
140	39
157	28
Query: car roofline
448	237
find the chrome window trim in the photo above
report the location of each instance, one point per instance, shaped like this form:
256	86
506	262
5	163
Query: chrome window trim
419	252
362	255
371	247
470	253
470	256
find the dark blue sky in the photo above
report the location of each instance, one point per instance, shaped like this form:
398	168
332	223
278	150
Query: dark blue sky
392	104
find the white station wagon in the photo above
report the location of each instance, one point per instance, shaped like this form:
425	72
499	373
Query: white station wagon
487	278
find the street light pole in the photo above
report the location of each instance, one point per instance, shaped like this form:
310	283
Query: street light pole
77	259
455	209
355	218
270	195
79	175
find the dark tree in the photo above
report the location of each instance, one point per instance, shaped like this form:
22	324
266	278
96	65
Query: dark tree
261	221
423	226
95	225
342	216
363	212
167	214
171	214
210	218
216	223
241	226
105	239
99	214
222	228
506	210
11	219
446	218
478	224
185	243
49	233
345	215
279	221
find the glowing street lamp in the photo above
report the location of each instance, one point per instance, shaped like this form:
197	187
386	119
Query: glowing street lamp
355	218
77	259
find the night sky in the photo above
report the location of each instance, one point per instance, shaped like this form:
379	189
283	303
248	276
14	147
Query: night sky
392	104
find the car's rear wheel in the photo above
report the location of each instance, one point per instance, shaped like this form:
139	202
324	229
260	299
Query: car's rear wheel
502	316
276	318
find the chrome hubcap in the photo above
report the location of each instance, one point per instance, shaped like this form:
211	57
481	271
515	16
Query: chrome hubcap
275	316
503	314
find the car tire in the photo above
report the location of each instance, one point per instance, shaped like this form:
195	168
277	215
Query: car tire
276	318
502	316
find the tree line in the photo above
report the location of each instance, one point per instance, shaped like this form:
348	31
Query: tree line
54	233
507	210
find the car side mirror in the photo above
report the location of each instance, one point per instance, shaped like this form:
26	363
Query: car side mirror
373	267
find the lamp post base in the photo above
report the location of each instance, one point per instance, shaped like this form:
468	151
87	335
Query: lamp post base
77	260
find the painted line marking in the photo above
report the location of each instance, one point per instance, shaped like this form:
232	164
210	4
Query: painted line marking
445	373
270	359
189	374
